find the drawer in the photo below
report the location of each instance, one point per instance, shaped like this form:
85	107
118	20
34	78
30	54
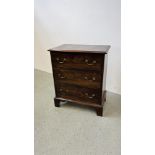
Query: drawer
90	79
77	60
78	93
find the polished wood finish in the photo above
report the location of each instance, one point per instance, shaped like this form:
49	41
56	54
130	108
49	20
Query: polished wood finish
82	48
78	93
79	73
85	78
77	60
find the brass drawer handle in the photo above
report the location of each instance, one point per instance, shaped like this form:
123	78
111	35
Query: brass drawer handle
61	62
92	96
61	76
86	78
61	89
93	78
93	62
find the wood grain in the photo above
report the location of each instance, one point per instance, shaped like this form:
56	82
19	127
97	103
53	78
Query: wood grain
79	73
82	48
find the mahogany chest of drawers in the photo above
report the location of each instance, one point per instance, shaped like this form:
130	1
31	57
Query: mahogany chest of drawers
79	73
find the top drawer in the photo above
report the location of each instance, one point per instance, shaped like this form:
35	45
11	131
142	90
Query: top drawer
77	60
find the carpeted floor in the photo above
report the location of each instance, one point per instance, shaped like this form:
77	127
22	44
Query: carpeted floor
73	129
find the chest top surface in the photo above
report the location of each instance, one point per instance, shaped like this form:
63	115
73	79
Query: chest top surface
81	48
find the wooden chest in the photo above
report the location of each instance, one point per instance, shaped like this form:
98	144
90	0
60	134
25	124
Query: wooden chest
79	73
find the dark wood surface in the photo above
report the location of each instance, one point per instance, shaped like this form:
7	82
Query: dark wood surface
82	48
80	77
78	93
77	60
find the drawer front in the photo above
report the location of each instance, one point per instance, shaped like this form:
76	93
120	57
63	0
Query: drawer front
77	61
90	79
78	93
